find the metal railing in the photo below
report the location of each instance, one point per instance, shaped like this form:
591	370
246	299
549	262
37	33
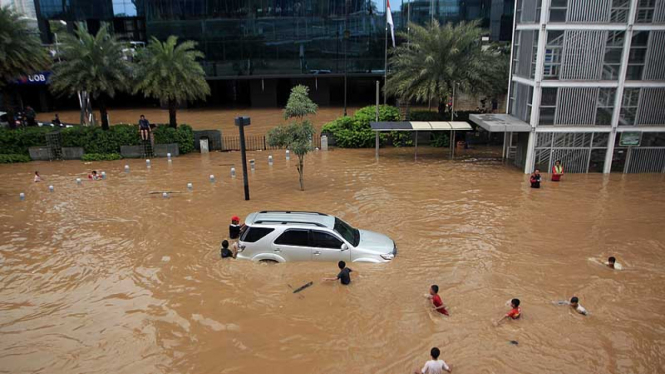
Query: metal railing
257	143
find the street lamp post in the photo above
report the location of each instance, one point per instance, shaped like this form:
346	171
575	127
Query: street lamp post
241	122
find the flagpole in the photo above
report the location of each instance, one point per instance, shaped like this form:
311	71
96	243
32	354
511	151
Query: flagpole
385	71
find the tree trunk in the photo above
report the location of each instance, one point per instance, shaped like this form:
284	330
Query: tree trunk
301	171
104	114
172	110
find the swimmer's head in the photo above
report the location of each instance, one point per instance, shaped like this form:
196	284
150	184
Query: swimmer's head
435	353
611	261
36	173
537	171
225	244
341	264
235	220
434	289
94	172
558	162
574	301
515	303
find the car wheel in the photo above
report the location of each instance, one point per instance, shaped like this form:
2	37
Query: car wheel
270	262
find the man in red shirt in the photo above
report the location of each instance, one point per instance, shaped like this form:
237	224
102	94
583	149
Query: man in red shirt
437	304
515	311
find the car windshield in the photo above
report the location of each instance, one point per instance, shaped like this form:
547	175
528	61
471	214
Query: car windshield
350	234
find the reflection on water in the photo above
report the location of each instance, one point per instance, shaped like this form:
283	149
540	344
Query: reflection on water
105	277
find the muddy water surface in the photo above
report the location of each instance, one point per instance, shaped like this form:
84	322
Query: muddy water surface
107	278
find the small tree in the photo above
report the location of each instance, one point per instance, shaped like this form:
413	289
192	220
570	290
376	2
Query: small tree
296	136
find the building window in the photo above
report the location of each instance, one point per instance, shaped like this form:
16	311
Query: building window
558	10
620	10
605	106
613	52
516	49
637	56
534	55
645	10
548	105
631	98
553	52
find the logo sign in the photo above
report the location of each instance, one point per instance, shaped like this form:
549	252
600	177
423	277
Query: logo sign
630	139
35	79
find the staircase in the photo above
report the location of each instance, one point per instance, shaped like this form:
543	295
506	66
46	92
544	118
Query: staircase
147	148
54	144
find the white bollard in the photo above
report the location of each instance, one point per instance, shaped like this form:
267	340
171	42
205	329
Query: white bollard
147	163
252	165
127	168
316	149
190	186
50	188
103	175
21	196
270	160
168	156
165	195
78	180
288	155
324	143
212	178
233	172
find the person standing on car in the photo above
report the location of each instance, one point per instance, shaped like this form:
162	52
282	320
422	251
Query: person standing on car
56	121
30	116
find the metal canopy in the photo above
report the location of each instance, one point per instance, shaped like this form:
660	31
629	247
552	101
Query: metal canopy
500	123
420	126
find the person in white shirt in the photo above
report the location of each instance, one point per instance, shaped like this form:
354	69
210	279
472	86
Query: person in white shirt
575	304
434	366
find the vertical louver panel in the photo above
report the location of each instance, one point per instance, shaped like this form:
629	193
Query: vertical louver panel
529	8
659	13
576	106
521	100
655	64
589	11
525	54
583	54
652	107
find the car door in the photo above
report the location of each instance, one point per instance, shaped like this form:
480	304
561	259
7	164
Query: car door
328	247
293	245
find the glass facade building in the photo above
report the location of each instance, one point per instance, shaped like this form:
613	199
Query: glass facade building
260	48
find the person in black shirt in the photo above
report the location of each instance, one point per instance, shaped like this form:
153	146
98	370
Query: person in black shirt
225	251
344	275
234	228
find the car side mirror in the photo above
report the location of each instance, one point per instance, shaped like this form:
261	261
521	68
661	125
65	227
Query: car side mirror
345	247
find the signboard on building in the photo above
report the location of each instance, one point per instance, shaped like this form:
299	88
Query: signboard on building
630	139
35	79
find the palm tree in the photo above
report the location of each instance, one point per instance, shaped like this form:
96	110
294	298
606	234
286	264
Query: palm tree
93	64
21	53
169	72
436	59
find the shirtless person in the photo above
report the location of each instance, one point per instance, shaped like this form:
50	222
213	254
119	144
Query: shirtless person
575	304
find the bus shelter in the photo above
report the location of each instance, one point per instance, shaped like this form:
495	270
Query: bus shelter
416	126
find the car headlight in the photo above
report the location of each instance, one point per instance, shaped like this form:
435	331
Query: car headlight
388	256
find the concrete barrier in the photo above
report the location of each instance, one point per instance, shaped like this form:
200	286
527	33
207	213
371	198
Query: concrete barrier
131	151
214	139
72	153
40	153
161	150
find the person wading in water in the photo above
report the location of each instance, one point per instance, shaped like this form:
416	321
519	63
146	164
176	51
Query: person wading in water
557	171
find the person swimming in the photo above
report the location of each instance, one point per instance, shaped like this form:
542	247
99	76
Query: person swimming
575	304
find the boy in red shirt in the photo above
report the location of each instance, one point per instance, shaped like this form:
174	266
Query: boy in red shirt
515	311
437	304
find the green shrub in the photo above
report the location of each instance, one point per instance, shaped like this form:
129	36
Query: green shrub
17	142
8	159
95	140
401	138
440	139
101	157
183	136
355	132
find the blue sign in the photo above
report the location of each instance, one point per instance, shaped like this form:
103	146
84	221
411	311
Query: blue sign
38	79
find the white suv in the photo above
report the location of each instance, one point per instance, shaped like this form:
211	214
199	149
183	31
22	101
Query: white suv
281	236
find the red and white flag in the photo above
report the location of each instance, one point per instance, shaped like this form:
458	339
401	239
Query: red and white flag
389	20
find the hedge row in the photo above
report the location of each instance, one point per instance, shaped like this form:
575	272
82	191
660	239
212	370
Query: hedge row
94	139
355	132
8	159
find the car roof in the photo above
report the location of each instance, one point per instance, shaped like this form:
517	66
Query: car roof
291	218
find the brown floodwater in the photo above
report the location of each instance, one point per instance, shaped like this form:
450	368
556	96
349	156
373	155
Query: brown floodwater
207	119
107	278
